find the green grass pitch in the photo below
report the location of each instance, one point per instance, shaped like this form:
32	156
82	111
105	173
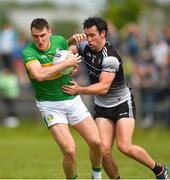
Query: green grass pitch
29	152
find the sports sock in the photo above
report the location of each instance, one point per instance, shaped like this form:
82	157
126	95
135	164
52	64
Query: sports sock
75	177
157	169
118	177
99	169
96	173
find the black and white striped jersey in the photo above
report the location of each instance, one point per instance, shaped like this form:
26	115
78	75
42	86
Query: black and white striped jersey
106	60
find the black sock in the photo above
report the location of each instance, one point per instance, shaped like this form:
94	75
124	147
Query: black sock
157	169
118	177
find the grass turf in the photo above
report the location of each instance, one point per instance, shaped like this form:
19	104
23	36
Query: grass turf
29	152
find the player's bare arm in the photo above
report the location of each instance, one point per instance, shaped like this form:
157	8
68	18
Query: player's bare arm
43	73
102	87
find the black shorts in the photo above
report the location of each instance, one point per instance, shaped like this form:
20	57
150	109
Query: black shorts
126	109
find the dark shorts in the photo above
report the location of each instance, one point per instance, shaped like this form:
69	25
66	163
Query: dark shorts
124	110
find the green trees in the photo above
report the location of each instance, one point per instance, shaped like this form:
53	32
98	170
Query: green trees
120	12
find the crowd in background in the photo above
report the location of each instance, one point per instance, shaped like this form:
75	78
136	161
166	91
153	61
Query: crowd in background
147	68
146	60
13	78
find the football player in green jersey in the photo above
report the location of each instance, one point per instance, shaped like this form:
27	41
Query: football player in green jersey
58	109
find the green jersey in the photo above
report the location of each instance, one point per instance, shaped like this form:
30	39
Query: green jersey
48	90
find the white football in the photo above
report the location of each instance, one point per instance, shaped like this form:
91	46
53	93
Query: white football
60	56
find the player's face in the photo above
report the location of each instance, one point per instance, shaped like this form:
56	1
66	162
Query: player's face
41	38
95	39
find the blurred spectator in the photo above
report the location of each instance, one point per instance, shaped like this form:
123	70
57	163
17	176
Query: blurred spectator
159	49
113	36
8	44
9	88
132	39
9	91
18	62
160	52
145	70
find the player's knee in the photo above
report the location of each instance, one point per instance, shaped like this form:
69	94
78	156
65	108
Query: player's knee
106	151
70	153
124	148
96	144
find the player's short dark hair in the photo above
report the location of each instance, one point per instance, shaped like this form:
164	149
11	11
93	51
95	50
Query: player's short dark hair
39	23
100	23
